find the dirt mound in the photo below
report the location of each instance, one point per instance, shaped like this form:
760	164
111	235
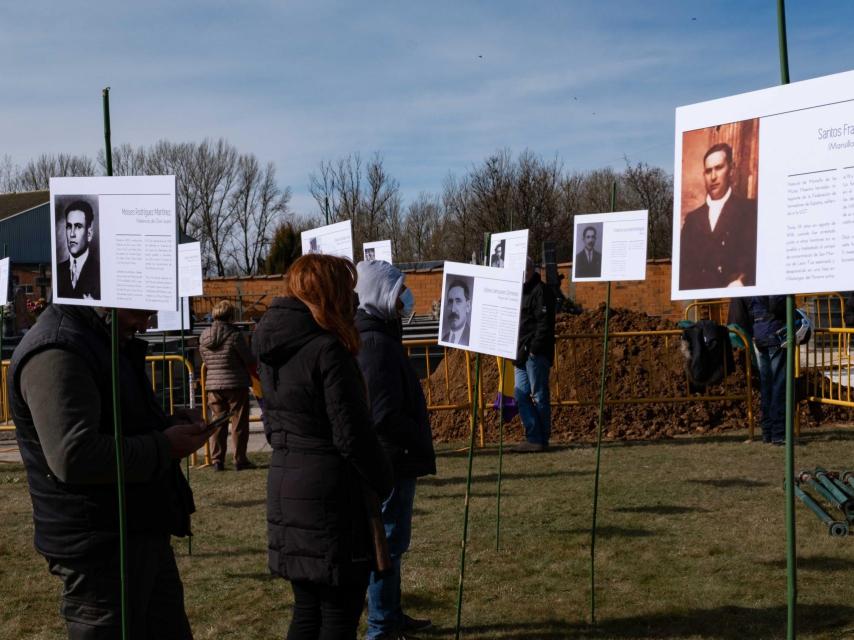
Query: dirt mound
647	367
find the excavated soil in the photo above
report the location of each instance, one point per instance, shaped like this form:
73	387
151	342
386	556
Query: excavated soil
638	367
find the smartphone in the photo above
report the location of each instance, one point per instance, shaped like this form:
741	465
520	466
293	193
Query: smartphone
219	422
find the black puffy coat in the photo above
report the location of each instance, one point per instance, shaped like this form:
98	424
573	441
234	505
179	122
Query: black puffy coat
537	322
397	400
325	450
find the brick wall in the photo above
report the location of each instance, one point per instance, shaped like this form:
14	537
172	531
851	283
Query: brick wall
650	296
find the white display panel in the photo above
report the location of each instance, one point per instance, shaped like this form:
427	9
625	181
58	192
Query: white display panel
379	250
334	240
610	246
170	320
509	250
114	242
778	217
480	309
190	269
4	281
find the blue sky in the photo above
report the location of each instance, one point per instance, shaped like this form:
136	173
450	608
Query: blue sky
434	86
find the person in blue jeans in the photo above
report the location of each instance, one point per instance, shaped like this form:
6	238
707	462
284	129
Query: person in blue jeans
400	417
768	314
534	358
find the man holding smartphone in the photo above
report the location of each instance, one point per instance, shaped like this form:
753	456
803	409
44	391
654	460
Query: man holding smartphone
60	394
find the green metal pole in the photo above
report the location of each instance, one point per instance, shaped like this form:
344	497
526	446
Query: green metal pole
117	410
501	380
468	497
602	381
791	556
184	402
834	528
163	370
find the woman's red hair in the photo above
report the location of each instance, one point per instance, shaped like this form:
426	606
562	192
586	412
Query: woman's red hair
325	285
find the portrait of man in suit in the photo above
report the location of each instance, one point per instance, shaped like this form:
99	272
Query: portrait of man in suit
370	253
717	247
79	276
457	310
588	261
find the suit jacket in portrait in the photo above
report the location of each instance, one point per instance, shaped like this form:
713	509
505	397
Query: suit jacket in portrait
464	336
712	259
585	268
495	261
88	282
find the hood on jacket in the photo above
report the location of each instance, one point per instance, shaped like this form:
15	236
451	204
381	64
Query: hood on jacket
379	286
215	335
283	330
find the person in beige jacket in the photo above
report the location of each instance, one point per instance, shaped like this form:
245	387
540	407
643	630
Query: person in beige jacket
229	363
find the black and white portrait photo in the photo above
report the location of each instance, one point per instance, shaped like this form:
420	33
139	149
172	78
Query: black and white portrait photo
588	260
456	309
498	255
78	267
370	253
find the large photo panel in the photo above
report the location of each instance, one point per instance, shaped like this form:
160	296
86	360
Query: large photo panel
610	246
480	309
332	240
114	242
764	192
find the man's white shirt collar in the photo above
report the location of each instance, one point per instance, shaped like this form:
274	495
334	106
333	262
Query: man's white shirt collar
716	206
81	260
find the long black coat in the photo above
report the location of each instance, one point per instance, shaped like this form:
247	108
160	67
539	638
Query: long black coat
325	451
397	401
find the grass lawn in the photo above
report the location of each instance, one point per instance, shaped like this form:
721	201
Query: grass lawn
692	545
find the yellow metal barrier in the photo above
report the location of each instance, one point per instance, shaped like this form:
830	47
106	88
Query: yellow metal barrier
820	308
714	310
825	363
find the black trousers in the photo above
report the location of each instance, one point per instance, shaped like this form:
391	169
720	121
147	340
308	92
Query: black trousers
91	602
322	612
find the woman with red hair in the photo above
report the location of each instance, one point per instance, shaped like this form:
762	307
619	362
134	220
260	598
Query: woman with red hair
327	464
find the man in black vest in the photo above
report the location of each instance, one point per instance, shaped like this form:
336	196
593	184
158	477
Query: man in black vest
61	400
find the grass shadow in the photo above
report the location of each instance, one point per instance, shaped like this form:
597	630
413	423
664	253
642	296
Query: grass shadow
814	563
613	532
436	481
730	483
720	623
660	509
181	551
492	451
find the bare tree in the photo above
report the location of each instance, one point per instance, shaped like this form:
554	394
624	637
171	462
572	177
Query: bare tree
212	176
653	188
37	173
127	160
365	194
422	229
9	175
257	203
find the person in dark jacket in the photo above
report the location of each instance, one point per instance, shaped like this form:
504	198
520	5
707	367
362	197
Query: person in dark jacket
60	394
400	417
768	314
534	357
228	362
328	472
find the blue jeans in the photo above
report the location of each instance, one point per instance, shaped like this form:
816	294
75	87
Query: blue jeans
532	397
772	392
385	613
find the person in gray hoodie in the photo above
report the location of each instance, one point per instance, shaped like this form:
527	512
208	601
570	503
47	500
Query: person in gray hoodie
229	363
402	424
